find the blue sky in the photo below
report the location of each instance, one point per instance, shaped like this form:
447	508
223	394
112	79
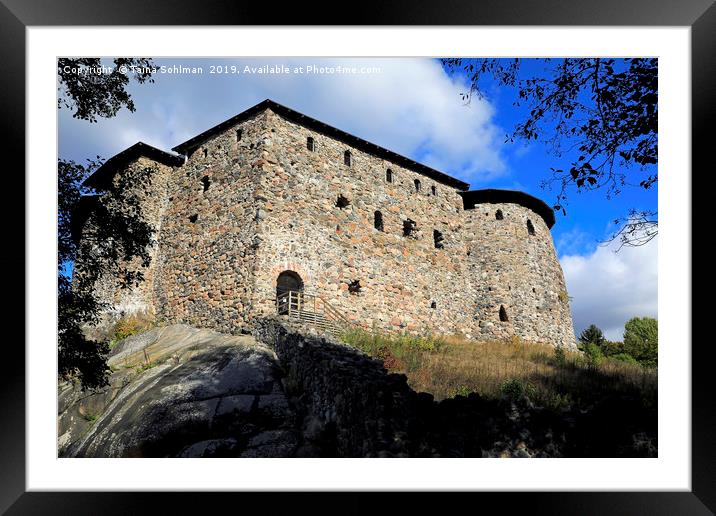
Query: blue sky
411	106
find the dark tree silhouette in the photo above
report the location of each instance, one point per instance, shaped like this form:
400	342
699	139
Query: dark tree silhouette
85	89
116	233
604	111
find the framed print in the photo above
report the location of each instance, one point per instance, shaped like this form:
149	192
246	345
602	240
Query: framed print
391	253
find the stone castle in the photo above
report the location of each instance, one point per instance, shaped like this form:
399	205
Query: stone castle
272	210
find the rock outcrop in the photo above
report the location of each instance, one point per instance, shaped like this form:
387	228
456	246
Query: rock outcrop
181	392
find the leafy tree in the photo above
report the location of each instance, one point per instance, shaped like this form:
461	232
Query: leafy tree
85	87
119	234
593	335
605	111
641	339
611	348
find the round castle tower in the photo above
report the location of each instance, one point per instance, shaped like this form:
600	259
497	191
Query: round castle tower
519	287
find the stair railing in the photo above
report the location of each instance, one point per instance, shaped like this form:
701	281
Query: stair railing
311	309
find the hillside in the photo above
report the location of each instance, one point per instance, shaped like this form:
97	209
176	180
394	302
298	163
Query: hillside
179	391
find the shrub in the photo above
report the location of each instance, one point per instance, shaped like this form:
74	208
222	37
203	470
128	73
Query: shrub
641	340
131	325
462	390
611	348
515	388
593	353
560	357
624	357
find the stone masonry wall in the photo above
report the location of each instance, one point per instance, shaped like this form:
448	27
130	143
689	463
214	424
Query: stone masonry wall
209	236
330	247
241	210
406	283
143	181
519	271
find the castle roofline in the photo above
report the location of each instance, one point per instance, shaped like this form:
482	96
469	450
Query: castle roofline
491	195
102	177
317	125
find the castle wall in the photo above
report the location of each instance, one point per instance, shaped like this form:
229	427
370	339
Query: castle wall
330	247
138	192
519	271
407	284
241	211
208	238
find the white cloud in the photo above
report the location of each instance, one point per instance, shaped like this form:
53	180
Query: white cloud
411	107
609	288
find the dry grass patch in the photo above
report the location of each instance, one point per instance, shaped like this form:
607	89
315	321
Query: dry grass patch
448	366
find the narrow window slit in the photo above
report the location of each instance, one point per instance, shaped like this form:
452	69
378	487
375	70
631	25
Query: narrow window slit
503	314
378	221
438	239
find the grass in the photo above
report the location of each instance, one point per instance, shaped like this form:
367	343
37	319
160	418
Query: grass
552	377
131	325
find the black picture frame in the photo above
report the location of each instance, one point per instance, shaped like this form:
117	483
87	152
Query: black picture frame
17	15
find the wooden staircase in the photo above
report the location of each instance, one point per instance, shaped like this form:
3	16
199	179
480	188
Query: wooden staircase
312	310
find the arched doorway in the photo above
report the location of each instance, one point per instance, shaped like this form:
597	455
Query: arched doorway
288	283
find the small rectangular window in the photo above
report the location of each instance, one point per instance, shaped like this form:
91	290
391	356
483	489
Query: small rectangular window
310	144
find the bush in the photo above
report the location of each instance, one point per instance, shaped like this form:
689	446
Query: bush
624	357
127	326
593	354
516	388
611	348
641	340
560	357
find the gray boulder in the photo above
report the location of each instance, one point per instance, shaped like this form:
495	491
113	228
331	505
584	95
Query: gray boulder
179	391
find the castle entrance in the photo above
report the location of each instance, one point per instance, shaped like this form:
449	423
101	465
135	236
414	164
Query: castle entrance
289	292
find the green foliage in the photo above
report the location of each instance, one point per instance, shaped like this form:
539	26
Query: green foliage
624	357
553	378
516	388
146	366
611	348
560	356
132	325
557	401
462	390
592	334
641	340
593	354
118	236
401	351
